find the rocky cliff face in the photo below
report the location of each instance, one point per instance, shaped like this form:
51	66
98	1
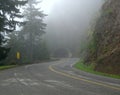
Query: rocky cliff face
107	39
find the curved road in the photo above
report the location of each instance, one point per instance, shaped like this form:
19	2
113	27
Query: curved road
55	78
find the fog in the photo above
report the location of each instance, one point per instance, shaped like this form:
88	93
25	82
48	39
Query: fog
68	22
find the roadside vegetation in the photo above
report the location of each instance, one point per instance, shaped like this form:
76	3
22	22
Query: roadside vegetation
7	67
22	42
90	69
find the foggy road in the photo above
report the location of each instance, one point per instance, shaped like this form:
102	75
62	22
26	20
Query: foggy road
55	78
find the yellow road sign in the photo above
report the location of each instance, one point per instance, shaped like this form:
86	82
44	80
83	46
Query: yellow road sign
18	55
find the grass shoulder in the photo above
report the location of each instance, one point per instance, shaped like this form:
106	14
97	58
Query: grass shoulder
14	64
90	69
7	67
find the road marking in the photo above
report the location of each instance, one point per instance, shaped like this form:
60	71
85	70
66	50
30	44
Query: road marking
82	79
59	83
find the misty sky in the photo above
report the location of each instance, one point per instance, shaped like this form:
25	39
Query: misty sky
68	20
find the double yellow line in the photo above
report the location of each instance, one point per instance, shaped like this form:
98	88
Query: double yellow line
82	79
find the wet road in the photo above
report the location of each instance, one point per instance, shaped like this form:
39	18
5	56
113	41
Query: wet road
55	78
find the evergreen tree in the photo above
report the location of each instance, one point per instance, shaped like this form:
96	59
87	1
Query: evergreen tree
29	39
34	28
9	10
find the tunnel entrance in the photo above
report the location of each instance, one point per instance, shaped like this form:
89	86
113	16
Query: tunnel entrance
61	53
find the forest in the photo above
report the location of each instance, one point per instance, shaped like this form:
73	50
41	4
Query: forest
21	31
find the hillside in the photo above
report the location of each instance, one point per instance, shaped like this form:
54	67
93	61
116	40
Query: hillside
106	37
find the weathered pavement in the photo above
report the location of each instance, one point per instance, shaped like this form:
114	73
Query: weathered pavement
55	78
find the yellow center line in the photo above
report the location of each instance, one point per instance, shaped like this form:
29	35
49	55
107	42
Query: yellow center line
82	79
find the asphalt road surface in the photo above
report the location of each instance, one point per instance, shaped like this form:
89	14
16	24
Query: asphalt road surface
55	78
